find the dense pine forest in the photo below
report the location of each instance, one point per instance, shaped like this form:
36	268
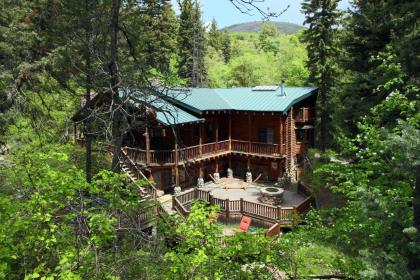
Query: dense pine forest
68	212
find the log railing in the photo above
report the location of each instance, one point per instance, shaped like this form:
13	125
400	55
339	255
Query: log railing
178	206
305	114
264	212
197	152
264	149
137	155
240	146
162	156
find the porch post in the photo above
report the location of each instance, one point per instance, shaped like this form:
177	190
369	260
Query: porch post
217	130
176	164
200	141
249	132
281	135
201	171
148	155
230	132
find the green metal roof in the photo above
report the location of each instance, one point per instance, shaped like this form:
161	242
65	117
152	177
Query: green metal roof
184	105
166	112
243	99
169	114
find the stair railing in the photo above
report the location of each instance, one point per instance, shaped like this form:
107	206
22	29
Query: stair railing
132	166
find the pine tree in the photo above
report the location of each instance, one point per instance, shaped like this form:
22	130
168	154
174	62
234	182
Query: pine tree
191	43
226	46
157	34
323	17
367	32
215	36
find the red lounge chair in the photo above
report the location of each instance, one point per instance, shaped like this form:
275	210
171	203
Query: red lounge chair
245	223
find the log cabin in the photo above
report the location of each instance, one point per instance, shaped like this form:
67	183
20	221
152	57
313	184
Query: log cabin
261	131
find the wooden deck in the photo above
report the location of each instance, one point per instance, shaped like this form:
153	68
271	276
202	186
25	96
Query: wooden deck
285	216
204	152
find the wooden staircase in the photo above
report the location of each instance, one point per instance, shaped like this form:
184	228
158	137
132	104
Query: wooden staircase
149	192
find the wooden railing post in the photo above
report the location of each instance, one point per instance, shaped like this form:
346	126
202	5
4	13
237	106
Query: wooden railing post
148	155
230	131
176	164
294	214
278	213
241	206
227	208
200	141
195	193
211	199
173	203
249	133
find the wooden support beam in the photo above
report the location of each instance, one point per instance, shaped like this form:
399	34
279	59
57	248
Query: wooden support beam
217	130
176	164
200	141
217	165
281	135
201	170
148	155
230	132
249	133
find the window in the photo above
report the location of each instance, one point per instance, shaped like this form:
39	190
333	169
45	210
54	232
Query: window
301	135
266	135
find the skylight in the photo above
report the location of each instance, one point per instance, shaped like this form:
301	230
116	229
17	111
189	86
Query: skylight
265	88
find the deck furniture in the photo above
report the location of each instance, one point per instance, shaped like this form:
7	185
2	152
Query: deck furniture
244	225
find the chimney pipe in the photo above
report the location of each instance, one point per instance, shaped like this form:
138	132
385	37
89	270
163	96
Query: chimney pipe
282	92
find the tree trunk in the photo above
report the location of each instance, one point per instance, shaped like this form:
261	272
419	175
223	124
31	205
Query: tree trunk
116	114
414	261
88	86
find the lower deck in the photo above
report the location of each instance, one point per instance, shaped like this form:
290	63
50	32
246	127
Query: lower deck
187	175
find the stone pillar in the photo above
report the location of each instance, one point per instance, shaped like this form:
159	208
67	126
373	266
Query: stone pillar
177	190
230	173
200	182
216	177
248	177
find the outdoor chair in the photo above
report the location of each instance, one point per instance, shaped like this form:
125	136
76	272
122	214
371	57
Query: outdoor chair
245	223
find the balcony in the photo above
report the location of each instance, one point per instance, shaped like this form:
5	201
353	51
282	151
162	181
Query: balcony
202	152
305	115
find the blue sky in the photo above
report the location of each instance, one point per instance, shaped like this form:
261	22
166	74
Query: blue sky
226	14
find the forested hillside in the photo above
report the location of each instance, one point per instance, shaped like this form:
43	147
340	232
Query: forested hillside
256	26
263	58
68	212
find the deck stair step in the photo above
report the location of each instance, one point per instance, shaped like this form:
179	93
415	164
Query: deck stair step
166	202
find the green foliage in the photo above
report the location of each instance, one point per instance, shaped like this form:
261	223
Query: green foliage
55	225
191	44
323	18
379	185
267	38
249	65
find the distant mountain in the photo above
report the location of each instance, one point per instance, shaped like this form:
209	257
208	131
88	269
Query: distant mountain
255	26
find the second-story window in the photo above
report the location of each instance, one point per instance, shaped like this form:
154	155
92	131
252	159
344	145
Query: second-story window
266	135
301	135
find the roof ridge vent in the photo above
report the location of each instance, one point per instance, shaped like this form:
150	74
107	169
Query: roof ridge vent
265	88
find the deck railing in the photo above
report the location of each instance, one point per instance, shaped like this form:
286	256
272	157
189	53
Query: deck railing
305	114
264	212
137	155
162	156
205	150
